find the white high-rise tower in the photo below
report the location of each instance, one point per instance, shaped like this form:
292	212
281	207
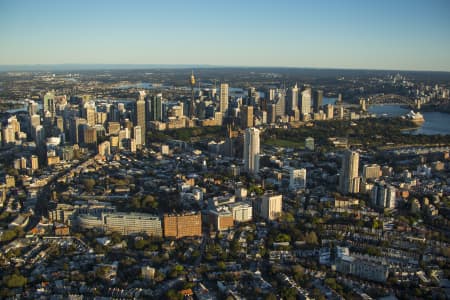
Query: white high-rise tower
224	99
251	150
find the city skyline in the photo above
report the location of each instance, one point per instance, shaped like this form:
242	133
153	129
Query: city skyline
404	35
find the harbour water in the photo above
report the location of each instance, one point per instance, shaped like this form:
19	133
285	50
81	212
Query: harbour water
435	122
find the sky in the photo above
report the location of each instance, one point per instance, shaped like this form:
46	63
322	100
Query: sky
356	34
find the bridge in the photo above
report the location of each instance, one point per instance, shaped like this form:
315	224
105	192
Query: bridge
391	99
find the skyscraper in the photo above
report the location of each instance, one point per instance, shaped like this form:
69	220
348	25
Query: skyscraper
280	104
140	116
33	108
156	108
318	99
247	116
49	104
251	150
348	179
270	206
292	101
137	134
305	102
224	98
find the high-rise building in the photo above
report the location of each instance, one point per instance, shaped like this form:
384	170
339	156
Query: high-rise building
383	195
76	129
318	99
183	225
280	104
297	179
224	99
251	150
39	135
242	211
90	112
137	136
8	135
34	162
156	108
305	102
49	103
89	135
371	172
247	116
140	117
348	178
35	120
330	111
15	124
33	108
271	113
270	206
60	123
104	148
292	101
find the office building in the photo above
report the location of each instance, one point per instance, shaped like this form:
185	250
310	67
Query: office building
317	100
241	211
90	113
372	171
251	150
222	219
140	118
104	148
89	135
292	100
247	116
137	130
269	206
330	111
297	179
305	102
183	225
34	162
33	108
384	195
49	104
348	178
224	99
280	103
156	109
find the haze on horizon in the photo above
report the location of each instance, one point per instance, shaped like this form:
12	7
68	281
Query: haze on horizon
400	35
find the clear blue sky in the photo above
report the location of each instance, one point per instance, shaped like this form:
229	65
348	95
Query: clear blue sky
380	34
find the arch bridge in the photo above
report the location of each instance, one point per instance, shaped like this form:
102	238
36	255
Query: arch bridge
391	99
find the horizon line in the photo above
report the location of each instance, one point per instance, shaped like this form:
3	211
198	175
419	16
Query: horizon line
3	67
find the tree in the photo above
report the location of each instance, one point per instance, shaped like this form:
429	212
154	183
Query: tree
89	184
271	296
311	238
8	235
15	281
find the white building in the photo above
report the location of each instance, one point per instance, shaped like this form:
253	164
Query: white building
241	211
269	206
297	179
305	102
224	99
251	150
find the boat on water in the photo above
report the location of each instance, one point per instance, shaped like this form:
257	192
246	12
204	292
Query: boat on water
416	117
